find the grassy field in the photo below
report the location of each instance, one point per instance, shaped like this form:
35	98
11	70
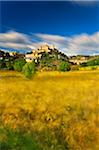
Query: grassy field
53	111
89	68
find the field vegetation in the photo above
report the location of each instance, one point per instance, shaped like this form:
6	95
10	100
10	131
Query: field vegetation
52	111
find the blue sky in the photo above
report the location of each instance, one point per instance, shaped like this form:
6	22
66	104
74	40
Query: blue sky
73	26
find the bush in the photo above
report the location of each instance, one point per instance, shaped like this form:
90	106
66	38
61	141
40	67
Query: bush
74	67
93	68
64	66
2	64
91	63
29	69
9	65
94	62
18	64
84	64
46	60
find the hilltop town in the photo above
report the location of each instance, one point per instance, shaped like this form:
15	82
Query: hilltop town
50	50
46	57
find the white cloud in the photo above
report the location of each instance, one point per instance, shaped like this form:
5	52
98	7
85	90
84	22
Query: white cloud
13	45
15	40
54	38
57	40
13	36
77	44
84	44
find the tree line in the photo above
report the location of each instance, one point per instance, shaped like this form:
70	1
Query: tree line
18	63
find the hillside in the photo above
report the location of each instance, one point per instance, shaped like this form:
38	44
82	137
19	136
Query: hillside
47	58
45	49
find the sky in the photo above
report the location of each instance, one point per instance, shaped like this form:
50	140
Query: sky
72	26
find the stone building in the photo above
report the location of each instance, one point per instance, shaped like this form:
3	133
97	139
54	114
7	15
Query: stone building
78	59
51	50
37	54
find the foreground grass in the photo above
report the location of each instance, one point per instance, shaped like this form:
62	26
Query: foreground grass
53	111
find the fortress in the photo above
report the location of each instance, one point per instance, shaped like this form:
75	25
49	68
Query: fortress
37	54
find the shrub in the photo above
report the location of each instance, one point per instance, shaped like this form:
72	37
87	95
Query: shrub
18	64
2	64
97	61
84	64
9	65
29	69
46	60
91	63
74	67
94	62
64	66
93	68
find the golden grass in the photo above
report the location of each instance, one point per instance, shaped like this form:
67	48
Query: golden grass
64	102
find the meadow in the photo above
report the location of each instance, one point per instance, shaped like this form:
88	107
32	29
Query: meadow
52	111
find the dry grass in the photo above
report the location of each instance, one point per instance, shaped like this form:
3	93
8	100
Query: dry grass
66	104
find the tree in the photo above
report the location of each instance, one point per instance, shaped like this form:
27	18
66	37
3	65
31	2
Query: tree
84	64
93	62
46	60
18	64
2	64
29	69
9	65
64	66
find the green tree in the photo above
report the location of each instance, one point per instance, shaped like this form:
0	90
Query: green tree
18	64
84	64
97	61
9	65
46	60
91	63
64	66
2	64
29	69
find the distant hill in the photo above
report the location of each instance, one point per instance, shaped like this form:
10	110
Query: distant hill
79	59
37	54
47	57
7	59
